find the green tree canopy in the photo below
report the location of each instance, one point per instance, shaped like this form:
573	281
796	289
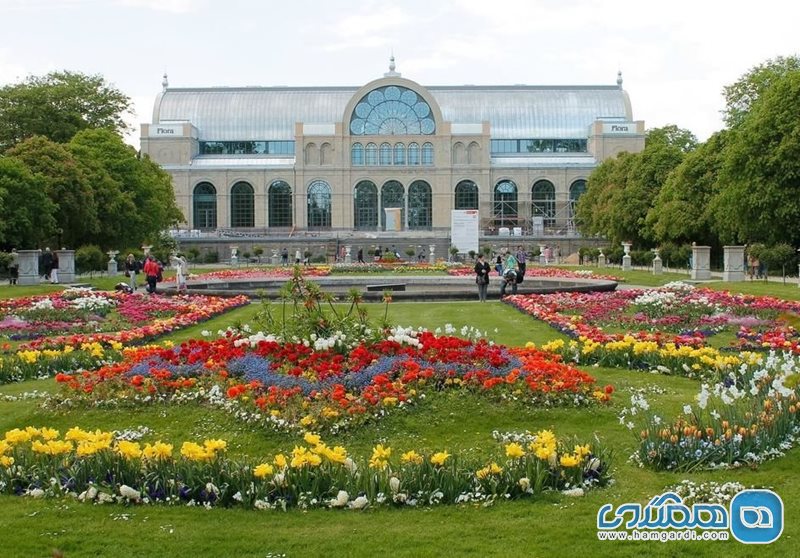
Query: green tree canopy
27	213
759	199
621	192
67	186
58	106
681	213
147	202
742	94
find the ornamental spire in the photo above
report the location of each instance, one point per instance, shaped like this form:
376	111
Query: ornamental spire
392	66
165	82
619	79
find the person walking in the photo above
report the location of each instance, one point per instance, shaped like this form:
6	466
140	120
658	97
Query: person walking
522	257
151	271
284	257
361	255
47	263
54	269
132	268
13	268
482	270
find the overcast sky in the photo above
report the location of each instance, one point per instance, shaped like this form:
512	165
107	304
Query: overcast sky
675	56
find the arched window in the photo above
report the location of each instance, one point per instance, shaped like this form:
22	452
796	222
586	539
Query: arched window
420	205
576	190
311	154
459	153
399	154
366	206
204	206
543	202
326	154
413	153
393	195
319	205
505	204
372	154
386	154
392	110
357	154
279	200
466	195
242	205
427	153
474	153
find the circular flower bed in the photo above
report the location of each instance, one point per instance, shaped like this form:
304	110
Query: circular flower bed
294	386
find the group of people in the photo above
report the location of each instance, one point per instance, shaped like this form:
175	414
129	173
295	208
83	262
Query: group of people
153	271
510	266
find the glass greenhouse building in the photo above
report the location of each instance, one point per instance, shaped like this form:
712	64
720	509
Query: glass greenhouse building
268	160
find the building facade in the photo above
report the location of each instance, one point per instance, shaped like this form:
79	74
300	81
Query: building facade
392	155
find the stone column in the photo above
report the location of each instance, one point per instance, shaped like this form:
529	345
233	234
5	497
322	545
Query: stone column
733	266
658	266
146	249
701	263
601	259
626	259
66	266
28	267
112	263
275	258
431	255
348	258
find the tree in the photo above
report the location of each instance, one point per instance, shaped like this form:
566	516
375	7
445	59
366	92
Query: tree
681	213
761	174
148	204
620	194
58	106
741	95
67	186
27	213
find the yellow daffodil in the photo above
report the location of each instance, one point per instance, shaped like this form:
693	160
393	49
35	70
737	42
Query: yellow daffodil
439	458
514	450
411	457
263	470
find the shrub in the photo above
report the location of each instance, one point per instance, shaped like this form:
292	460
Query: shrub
211	257
193	254
90	258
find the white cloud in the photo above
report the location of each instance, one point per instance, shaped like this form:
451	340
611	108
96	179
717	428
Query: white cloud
172	6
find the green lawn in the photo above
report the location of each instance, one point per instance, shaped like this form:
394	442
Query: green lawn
456	422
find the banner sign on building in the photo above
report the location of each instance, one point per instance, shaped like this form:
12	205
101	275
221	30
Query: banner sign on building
464	229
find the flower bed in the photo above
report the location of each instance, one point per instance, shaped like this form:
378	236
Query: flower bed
316	384
97	467
76	317
749	416
389	267
549	272
271	272
35	364
667	327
